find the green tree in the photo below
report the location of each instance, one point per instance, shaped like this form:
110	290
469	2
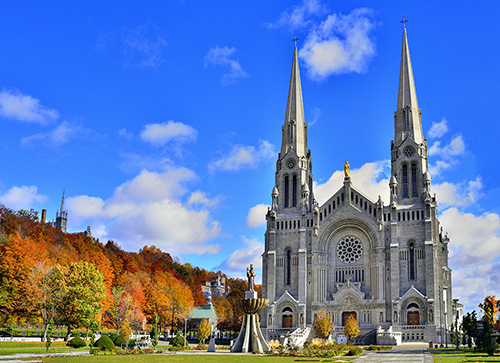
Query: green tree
470	327
82	293
203	331
351	328
323	325
154	332
48	331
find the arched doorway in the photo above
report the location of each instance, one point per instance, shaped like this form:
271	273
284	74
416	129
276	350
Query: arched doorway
346	315
287	318
413	314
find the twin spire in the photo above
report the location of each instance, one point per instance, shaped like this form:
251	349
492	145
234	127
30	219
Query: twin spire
407	118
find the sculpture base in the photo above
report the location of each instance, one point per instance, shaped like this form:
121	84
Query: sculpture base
250	338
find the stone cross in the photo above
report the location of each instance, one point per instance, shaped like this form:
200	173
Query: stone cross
295	40
404	21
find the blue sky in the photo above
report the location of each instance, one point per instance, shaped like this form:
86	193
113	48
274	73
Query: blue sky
163	122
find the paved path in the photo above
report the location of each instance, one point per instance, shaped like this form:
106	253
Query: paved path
408	354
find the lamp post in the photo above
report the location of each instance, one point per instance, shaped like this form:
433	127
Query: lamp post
445	329
185	332
455	305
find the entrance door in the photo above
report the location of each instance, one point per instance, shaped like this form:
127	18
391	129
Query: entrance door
347	314
287	321
413	318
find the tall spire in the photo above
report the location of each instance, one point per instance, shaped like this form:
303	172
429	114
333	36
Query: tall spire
62	201
294	129
407	118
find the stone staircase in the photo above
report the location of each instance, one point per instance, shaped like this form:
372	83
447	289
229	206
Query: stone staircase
366	337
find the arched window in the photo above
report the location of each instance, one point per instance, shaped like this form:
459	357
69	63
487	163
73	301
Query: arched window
287	191
414	180
405	181
294	191
288	265
411	261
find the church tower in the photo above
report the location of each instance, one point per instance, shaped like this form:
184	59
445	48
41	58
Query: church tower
62	217
410	179
293	185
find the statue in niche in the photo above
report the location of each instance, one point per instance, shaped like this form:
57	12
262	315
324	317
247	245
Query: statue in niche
347	169
395	316
431	315
251	277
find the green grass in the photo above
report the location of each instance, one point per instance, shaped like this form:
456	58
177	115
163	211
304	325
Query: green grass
195	358
9	348
452	356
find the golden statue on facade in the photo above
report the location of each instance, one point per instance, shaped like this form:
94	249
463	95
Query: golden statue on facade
347	172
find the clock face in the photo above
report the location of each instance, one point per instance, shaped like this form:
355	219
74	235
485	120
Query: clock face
290	164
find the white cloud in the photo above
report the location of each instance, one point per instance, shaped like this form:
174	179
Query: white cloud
438	129
474	239
473	283
339	44
240	259
460	194
257	216
299	16
143	47
221	56
371	179
125	134
243	156
454	148
316	115
84	206
200	198
23	197
160	134
150	210
60	135
15	105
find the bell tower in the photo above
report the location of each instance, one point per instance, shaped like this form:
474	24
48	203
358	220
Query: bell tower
293	192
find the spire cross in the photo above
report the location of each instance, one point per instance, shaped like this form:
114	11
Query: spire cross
295	40
404	21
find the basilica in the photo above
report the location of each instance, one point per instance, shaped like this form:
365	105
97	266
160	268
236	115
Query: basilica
385	264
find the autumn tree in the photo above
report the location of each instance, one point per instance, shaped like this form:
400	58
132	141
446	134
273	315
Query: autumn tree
486	341
125	331
224	311
351	328
82	292
44	293
121	306
203	331
323	325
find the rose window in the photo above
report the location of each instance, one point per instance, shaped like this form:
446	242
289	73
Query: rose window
409	151
349	249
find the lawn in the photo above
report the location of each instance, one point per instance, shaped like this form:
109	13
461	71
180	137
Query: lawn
8	348
452	356
194	358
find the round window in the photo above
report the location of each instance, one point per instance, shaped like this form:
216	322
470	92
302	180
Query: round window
349	249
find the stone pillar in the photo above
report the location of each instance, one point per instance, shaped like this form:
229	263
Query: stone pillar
271	276
302	272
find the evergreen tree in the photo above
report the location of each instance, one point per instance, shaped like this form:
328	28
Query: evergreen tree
154	332
48	340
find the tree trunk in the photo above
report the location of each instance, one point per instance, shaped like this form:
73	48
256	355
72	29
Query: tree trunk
45	328
67	333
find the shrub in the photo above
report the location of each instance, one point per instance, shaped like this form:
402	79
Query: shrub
355	351
131	343
178	341
77	342
113	336
104	343
119	341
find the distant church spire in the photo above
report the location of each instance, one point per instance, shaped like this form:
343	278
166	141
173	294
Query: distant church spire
62	216
407	118
294	129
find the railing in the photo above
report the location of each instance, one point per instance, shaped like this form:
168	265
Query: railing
413	333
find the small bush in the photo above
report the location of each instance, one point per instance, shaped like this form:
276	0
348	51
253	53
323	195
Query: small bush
77	342
131	343
178	341
355	351
119	341
113	336
104	343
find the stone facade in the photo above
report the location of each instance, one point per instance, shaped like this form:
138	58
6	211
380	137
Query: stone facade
385	264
